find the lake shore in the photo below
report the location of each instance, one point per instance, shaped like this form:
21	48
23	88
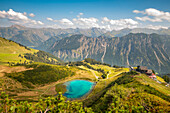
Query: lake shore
81	84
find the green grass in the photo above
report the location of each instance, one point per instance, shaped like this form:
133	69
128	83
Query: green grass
144	79
160	79
127	94
11	47
9	51
14	52
10	58
60	88
112	71
93	71
41	74
99	89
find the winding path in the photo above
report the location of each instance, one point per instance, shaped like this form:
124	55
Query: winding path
94	74
108	75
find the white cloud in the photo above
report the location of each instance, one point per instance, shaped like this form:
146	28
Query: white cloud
66	21
156	27
145	18
31	15
154	12
79	15
63	23
118	24
137	11
3	14
157	16
105	23
50	19
39	22
123	22
86	23
105	19
25	13
149	14
18	18
12	15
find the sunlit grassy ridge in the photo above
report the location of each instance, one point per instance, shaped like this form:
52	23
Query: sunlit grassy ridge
10	51
98	74
111	70
11	47
144	79
160	79
127	94
17	54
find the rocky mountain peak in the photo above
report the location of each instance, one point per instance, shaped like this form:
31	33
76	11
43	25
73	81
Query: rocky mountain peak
18	26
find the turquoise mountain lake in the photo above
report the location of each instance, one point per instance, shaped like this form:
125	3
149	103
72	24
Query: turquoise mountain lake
77	88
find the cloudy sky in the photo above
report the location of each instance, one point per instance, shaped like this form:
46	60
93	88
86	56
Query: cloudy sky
104	14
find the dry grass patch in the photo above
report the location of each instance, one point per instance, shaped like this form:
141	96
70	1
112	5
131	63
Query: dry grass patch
6	69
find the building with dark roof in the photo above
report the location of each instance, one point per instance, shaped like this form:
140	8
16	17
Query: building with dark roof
149	72
142	69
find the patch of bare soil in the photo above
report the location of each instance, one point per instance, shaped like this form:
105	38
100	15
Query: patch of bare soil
6	69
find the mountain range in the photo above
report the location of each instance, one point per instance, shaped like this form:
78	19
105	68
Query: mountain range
139	46
126	31
132	49
36	36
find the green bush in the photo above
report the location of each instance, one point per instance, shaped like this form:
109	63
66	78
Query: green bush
41	74
60	88
42	56
56	104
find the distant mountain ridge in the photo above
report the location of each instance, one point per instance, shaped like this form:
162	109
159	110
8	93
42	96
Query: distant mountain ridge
48	43
124	47
126	31
132	49
36	36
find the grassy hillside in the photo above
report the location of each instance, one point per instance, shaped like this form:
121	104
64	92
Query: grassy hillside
110	70
41	74
128	93
123	93
144	79
38	80
9	51
13	53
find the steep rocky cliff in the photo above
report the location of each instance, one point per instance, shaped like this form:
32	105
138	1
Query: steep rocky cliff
132	49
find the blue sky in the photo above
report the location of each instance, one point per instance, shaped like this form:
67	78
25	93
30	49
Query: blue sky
107	14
